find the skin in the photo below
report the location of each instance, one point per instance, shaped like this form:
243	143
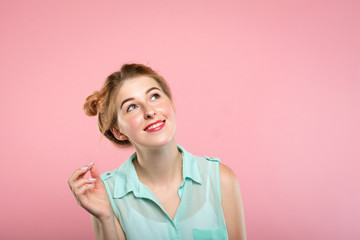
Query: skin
140	102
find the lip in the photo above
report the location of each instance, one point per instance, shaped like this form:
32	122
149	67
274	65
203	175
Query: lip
157	128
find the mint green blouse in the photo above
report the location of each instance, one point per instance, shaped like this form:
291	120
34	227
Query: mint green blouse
199	215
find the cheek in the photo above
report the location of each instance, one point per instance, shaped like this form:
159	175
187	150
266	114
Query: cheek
135	122
167	108
128	124
169	113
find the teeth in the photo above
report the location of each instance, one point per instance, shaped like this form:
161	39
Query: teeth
155	125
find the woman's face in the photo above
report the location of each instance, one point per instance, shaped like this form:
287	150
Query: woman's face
145	114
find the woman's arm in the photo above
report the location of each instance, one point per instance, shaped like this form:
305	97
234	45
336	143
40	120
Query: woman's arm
232	204
107	229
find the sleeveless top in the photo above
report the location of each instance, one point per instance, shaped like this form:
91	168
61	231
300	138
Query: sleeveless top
199	215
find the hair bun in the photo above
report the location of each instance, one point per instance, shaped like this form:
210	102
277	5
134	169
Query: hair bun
91	104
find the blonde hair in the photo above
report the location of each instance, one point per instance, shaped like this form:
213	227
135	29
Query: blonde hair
103	102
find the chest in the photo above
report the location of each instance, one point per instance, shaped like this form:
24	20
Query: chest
199	208
168	199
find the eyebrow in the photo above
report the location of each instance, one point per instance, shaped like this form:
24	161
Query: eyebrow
147	91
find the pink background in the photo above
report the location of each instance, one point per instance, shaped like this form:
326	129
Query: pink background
270	87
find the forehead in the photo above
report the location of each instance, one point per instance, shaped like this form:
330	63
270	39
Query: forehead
136	87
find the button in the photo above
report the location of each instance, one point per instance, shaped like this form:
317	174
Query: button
108	173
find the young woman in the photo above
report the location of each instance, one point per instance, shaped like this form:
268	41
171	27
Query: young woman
162	191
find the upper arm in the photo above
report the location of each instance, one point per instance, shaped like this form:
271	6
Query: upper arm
232	203
97	230
119	229
96	227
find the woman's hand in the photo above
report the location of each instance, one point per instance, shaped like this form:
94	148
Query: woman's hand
90	193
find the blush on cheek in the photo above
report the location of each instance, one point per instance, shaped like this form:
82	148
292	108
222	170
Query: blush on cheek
134	124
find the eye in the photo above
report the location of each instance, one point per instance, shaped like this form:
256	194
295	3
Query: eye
131	107
154	97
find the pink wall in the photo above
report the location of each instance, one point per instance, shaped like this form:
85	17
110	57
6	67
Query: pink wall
270	87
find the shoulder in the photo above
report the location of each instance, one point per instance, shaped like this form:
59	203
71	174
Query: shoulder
122	171
230	189
228	178
107	176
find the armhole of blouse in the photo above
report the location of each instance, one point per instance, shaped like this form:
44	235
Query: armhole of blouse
111	200
218	180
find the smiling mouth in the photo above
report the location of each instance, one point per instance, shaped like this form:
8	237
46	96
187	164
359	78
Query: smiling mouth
155	126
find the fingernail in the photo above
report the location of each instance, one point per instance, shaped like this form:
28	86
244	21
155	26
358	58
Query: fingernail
83	168
92	179
90	185
88	165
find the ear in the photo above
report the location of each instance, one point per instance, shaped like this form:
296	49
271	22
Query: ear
118	135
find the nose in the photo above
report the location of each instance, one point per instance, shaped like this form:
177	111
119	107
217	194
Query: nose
149	113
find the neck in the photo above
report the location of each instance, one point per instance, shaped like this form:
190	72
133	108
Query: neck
159	166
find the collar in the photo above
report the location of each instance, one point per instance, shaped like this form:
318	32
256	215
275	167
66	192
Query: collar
126	179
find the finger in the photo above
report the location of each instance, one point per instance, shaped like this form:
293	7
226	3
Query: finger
79	173
80	191
95	173
83	181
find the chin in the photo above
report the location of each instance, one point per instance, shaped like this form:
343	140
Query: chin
157	140
160	142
